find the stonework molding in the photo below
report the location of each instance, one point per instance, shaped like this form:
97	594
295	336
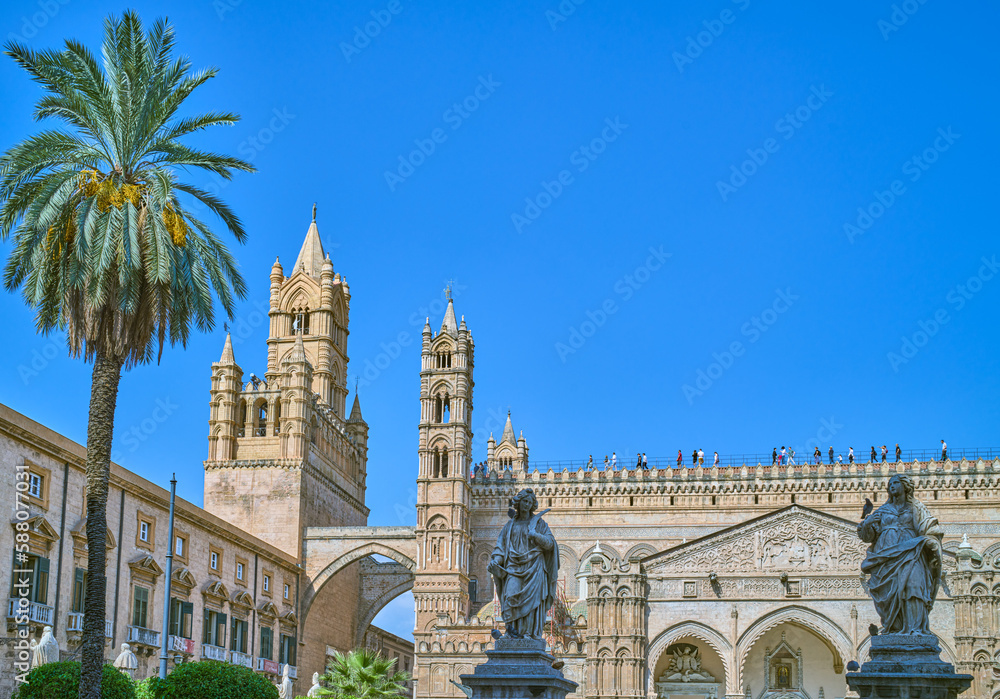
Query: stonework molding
692	629
835	637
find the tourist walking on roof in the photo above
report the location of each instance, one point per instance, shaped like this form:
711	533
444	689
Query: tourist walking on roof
818	455
781	456
590	462
701	457
645	464
679	458
873	458
774	456
885	452
831	455
944	450
791	456
840	458
899	453
605	462
850	455
716	463
638	461
614	461
694	458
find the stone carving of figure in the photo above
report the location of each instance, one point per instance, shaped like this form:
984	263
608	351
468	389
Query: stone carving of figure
285	686
686	666
525	566
126	661
903	564
46	650
314	690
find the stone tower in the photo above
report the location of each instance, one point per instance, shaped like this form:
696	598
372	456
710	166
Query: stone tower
441	589
282	453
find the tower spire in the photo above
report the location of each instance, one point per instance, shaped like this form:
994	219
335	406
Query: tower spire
450	324
227	352
311	255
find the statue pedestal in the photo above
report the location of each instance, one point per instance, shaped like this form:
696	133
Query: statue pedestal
518	668
907	667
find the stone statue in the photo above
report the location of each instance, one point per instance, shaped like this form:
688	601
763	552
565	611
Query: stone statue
903	564
285	686
314	690
126	661
525	566
685	666
46	650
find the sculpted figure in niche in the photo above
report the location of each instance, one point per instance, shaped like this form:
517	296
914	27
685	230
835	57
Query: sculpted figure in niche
525	567
903	564
685	666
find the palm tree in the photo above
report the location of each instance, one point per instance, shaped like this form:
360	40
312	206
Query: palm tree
362	674
105	244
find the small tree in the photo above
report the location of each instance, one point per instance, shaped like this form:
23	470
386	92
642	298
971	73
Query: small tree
362	674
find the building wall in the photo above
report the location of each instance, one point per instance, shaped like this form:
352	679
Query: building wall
131	561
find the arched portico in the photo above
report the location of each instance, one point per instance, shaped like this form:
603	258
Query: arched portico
691	629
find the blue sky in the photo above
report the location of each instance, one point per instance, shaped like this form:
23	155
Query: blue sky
620	193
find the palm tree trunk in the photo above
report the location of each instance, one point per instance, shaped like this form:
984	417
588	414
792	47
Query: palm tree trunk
100	430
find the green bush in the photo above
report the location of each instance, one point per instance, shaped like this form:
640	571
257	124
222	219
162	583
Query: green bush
62	681
151	688
210	679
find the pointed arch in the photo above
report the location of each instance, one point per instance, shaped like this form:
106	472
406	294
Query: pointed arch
694	629
828	631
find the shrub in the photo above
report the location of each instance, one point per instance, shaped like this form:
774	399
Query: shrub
62	681
151	688
210	679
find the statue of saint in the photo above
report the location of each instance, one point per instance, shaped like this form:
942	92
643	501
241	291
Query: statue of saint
314	690
126	661
525	566
903	564
46	650
285	690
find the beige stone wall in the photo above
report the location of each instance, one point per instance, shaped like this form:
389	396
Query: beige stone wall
331	620
133	499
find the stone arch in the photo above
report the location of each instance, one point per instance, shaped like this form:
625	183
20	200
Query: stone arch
640	550
695	629
346	559
991	551
829	632
398	585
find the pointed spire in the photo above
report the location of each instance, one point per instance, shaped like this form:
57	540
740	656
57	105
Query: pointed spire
450	325
356	410
508	432
311	255
298	353
227	352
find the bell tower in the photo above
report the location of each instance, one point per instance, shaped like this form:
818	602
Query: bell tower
441	590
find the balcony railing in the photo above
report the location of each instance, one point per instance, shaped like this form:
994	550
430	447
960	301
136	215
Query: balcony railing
265	665
237	658
179	644
19	607
147	637
214	652
291	670
74	622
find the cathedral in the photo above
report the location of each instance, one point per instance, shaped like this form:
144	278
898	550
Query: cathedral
681	583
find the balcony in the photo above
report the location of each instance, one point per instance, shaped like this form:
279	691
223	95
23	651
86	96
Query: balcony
213	653
237	658
291	670
265	665
146	637
23	611
179	644
74	622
